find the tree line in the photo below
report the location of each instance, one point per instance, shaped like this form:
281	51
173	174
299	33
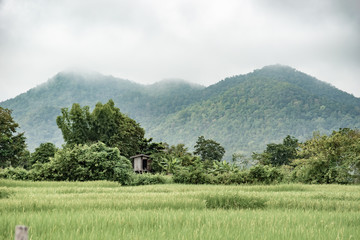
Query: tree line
98	145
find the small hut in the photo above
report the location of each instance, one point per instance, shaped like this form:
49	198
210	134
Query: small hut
141	163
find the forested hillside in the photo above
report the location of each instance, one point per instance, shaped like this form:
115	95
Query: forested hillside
37	109
247	111
243	112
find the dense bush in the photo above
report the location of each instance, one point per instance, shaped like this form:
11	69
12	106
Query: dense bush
318	170
240	177
86	163
14	173
173	159
256	174
148	179
287	173
193	176
264	174
329	159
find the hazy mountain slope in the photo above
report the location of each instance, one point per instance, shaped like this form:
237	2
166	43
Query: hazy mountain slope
243	112
37	109
246	112
308	83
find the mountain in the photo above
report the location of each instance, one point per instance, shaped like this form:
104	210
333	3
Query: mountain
37	109
246	112
243	112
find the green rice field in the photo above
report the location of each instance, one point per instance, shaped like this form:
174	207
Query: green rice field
106	210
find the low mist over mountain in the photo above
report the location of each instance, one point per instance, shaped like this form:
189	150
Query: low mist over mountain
243	112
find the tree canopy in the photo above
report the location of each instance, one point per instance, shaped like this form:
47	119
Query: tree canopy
105	124
43	153
209	149
278	154
12	144
86	163
330	159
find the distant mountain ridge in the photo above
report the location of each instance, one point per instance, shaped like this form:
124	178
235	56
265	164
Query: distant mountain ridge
242	112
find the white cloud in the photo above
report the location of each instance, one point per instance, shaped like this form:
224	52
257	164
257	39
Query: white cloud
200	41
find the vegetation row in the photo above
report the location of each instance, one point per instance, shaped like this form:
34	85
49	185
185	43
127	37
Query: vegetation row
99	144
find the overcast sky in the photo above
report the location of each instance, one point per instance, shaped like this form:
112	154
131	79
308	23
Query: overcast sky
201	41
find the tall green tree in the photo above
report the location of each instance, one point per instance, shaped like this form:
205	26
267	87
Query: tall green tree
148	147
209	149
12	144
43	153
278	154
178	150
105	124
76	125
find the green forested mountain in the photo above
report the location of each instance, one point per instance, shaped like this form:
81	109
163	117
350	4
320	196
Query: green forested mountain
37	109
243	112
247	111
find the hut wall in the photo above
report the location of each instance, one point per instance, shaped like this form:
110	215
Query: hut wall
138	164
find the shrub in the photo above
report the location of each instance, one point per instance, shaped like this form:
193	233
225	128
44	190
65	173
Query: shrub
85	163
41	172
265	174
147	179
287	173
193	176
317	170
240	177
329	159
14	173
182	176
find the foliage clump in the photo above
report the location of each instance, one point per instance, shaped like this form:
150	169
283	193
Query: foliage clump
148	179
105	124
225	173
209	149
329	159
17	173
279	154
322	159
13	151
86	163
98	145
43	153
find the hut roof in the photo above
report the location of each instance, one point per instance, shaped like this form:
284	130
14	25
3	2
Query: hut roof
140	155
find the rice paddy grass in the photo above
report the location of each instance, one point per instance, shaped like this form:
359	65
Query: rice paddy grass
106	210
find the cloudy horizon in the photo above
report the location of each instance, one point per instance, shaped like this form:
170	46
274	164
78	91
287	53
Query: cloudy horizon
199	41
